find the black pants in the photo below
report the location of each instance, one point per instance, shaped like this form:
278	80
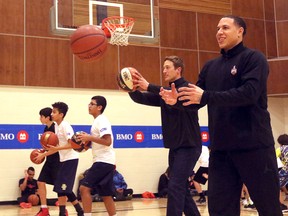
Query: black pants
181	163
229	170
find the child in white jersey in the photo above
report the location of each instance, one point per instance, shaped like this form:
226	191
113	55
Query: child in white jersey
68	161
100	174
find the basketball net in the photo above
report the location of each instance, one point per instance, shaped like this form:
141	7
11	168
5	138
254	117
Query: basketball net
119	28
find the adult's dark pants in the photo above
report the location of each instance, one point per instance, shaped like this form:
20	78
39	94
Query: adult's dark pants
257	169
181	163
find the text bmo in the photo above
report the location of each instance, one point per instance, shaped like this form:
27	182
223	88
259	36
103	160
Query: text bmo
136	136
7	136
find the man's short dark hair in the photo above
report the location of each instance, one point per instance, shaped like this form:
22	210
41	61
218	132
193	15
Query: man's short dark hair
283	139
31	169
238	21
46	112
101	101
177	62
62	107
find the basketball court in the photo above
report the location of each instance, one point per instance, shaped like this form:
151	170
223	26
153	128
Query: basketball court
134	207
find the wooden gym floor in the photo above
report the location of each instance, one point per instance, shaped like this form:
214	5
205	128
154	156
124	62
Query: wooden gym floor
134	207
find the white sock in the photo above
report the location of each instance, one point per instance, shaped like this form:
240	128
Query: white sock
87	214
250	201
43	206
245	202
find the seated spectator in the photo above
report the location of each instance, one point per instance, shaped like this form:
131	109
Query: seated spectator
283	172
28	187
94	192
163	184
121	190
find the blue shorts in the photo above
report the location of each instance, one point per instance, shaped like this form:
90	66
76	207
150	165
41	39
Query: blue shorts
100	176
66	176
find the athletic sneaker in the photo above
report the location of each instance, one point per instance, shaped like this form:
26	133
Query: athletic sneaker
43	212
283	207
25	205
249	206
80	213
201	201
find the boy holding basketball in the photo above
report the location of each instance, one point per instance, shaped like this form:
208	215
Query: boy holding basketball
64	182
50	169
101	172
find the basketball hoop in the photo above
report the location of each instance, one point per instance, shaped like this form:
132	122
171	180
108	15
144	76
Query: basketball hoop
119	28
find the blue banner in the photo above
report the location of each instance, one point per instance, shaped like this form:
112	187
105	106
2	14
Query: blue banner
28	136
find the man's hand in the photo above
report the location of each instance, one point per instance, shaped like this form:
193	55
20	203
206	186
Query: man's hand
26	174
169	96
139	82
191	94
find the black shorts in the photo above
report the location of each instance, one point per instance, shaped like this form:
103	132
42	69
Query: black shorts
100	176
66	176
199	175
49	171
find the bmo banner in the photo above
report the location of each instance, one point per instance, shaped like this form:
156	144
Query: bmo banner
28	136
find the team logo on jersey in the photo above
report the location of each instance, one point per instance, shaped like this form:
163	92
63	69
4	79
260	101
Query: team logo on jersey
234	70
63	187
103	129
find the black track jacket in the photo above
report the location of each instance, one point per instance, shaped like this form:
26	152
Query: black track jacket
235	90
180	127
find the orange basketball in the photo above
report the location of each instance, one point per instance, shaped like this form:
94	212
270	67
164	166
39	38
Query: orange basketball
78	145
33	199
34	154
49	138
88	43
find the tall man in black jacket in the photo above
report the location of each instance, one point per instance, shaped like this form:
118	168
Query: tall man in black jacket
181	135
234	87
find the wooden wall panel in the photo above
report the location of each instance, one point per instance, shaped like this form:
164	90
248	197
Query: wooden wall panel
178	29
12	60
281	8
190	59
207	6
144	2
269	10
100	74
12	17
145	59
48	63
207	29
271	39
248	8
255	37
282	35
38	18
277	81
